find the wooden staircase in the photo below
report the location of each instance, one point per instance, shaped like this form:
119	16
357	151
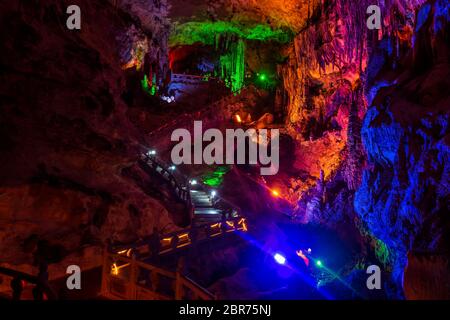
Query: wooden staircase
202	207
128	272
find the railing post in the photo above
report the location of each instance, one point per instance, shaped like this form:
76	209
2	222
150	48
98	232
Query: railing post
154	279
178	286
105	272
133	279
179	279
174	242
17	288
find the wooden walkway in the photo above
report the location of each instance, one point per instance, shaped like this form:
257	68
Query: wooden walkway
126	278
127	272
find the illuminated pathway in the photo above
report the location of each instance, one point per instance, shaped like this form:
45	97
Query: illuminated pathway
132	268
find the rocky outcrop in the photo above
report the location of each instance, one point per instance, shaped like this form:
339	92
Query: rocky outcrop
427	277
66	140
403	197
377	94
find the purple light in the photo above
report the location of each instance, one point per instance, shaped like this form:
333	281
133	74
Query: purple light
279	259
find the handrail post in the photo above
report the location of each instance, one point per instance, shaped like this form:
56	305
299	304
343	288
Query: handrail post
133	279
105	272
178	286
17	288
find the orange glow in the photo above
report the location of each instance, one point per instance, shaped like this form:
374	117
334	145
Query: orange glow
275	193
184	236
243	224
126	252
130	64
238	118
166	239
114	269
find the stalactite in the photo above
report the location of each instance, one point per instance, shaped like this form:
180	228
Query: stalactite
338	42
316	206
232	65
354	153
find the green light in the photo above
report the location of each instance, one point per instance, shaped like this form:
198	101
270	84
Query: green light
319	263
207	32
232	66
228	38
145	86
265	79
215	178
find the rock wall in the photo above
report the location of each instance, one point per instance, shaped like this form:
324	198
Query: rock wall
322	78
67	145
369	111
403	197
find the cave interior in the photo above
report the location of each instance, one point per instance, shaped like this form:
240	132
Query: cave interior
88	176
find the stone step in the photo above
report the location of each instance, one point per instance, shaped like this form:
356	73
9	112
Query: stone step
206	219
202	202
209	211
199	196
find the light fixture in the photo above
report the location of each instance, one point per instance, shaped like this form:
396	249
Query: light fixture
262	77
319	263
172	168
275	193
193	182
168	99
280	259
151	152
213	193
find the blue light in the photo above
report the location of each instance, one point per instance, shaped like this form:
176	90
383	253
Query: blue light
279	258
422	16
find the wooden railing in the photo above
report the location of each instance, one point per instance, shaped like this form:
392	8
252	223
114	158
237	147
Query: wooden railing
193	79
181	190
175	241
126	278
20	280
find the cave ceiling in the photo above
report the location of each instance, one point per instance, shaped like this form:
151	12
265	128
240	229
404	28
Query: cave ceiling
286	15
